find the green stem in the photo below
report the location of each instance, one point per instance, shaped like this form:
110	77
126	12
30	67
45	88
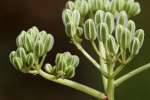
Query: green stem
95	48
102	63
90	59
111	87
131	74
74	85
42	61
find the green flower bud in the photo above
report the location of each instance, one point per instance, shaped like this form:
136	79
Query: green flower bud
27	42
122	19
70	5
140	35
134	50
125	38
49	42
67	16
112	45
38	49
113	9
99	4
82	6
17	63
12	55
103	32
73	60
109	20
70	30
79	31
119	30
120	4
30	59
33	31
21	53
107	5
131	26
19	40
90	32
70	72
76	18
136	9
99	17
92	5
49	68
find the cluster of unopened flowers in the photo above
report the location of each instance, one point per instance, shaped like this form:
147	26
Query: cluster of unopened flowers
107	27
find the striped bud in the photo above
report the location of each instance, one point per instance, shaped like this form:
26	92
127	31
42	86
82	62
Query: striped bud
19	40
135	46
125	38
70	5
82	6
76	18
67	16
27	42
99	17
122	18
109	20
30	59
49	42
17	63
38	49
119	30
103	32
12	55
70	30
140	35
136	9
131	26
90	30
112	45
120	4
21	53
70	72
49	68
33	31
73	60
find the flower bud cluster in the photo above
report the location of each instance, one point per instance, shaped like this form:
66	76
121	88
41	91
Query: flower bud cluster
116	33
65	65
31	46
85	7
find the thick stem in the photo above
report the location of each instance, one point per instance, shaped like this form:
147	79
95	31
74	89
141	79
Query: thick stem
74	85
103	65
111	87
131	74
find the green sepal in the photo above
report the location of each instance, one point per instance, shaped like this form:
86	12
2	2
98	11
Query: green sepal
30	59
135	46
21	53
140	35
99	17
122	18
17	63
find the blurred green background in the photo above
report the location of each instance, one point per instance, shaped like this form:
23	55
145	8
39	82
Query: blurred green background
17	15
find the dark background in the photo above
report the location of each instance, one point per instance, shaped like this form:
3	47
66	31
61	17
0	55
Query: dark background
17	15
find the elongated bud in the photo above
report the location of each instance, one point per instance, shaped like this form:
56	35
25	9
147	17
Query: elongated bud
107	5
12	55
70	72
120	4
124	43
140	35
134	50
19	40
98	4
17	63
109	20
103	32
136	9
90	30
30	59
49	68
76	17
73	60
21	53
49	42
99	17
82	6
122	19
67	16
131	26
70	30
33	31
27	43
119	30
111	45
38	49
70	5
